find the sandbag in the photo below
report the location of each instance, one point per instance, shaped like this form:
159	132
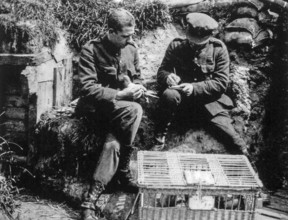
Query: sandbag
246	11
246	31
238	37
263	37
245	38
249	25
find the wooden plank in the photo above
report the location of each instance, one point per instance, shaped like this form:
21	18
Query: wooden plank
278	202
16	59
25	59
272	214
69	80
45	97
62	84
56	73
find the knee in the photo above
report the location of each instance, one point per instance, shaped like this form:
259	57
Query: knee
111	146
171	97
135	110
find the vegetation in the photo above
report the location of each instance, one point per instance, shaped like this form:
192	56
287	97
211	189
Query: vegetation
87	19
83	19
36	14
7	190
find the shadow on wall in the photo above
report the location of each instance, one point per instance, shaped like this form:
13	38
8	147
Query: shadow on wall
273	160
14	102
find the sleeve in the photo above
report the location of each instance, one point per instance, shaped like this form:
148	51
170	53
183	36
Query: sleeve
137	79
167	65
88	77
217	85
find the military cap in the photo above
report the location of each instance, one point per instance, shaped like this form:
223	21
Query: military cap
200	27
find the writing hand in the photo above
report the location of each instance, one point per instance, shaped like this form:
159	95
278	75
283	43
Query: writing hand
173	79
186	88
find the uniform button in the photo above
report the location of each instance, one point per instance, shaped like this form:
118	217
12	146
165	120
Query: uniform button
195	79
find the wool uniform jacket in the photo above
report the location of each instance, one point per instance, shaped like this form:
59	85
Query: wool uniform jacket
207	69
102	67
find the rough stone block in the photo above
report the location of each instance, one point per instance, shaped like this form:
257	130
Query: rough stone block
15	113
16	101
15	126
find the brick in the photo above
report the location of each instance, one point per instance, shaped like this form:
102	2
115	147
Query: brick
16	101
15	113
15	126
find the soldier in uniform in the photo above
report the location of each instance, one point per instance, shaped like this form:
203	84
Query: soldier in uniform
110	78
194	76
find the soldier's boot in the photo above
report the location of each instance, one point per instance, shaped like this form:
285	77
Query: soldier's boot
89	214
124	175
244	150
90	210
160	137
159	142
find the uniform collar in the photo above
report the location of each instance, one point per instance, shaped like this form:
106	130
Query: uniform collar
110	47
198	50
193	51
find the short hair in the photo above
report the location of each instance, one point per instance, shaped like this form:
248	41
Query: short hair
119	18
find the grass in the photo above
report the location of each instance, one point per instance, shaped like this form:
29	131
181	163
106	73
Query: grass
87	19
83	19
38	13
7	190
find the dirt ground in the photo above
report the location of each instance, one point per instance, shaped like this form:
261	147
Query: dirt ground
34	208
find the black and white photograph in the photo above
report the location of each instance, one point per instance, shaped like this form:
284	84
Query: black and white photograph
143	109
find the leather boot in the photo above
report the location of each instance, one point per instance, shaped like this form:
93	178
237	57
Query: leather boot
164	118
90	210
89	214
159	142
160	136
124	176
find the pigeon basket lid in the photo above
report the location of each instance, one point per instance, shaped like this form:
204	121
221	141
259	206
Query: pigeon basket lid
180	170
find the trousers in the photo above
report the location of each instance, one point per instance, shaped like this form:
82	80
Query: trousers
173	104
123	119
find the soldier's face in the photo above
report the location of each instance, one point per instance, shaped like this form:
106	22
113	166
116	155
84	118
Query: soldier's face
121	38
196	42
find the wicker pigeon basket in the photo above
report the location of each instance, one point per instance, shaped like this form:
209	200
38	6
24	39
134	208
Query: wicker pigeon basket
196	186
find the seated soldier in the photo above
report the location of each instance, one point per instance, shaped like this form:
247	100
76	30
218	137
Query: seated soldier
110	77
194	76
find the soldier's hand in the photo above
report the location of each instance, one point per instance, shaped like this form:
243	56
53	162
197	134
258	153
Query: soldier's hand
138	90
132	92
186	88
173	79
